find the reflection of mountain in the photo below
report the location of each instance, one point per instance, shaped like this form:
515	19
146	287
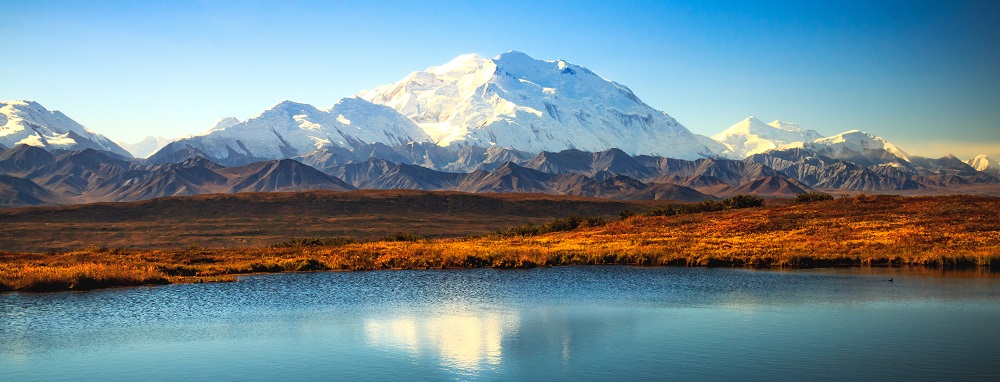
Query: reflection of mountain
469	344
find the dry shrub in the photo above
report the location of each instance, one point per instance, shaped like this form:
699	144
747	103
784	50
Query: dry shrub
862	231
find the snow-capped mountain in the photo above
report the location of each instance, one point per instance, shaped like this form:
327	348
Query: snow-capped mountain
984	163
515	101
29	123
146	147
752	136
223	123
858	147
290	129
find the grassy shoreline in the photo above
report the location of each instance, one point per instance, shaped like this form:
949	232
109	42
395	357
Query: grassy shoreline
942	232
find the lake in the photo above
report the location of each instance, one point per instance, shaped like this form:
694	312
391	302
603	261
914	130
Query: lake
565	323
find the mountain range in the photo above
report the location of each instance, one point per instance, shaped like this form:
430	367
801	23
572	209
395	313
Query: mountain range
507	124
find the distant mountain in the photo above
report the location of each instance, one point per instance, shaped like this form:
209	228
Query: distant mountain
872	168
727	171
857	147
984	163
473	158
510	177
571	161
279	175
29	123
772	186
291	129
515	101
626	188
32	176
752	136
667	191
145	147
946	165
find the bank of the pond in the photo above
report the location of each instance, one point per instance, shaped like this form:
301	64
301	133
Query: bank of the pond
945	232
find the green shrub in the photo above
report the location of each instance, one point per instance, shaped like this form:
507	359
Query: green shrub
743	201
315	242
625	214
521	230
556	225
596	221
810	197
399	236
735	202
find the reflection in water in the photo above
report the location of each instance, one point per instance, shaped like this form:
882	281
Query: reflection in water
466	343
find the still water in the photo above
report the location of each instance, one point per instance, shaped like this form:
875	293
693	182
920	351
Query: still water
563	323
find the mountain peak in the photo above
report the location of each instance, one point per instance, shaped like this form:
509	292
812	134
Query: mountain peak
855	141
23	102
148	145
854	132
532	105
983	162
463	64
747	122
290	129
30	123
287	104
752	136
223	123
513	55
857	138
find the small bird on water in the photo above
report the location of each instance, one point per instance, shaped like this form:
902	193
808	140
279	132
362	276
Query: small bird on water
890	279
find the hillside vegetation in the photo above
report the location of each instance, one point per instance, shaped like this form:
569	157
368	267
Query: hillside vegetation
949	232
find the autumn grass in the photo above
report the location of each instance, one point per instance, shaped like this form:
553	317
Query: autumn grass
939	232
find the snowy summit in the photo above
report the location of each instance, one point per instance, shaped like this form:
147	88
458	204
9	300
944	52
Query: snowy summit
28	123
984	163
515	101
290	129
145	147
752	136
857	147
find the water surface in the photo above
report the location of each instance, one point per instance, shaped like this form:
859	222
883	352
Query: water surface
577	323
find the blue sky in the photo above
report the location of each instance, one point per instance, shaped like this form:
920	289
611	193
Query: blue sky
924	75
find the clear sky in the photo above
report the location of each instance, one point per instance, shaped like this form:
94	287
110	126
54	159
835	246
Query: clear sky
923	74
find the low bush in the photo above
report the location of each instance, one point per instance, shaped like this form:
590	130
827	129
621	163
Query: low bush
399	236
316	242
735	202
810	197
743	201
556	225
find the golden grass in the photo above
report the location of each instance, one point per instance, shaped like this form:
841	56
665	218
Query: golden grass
952	232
